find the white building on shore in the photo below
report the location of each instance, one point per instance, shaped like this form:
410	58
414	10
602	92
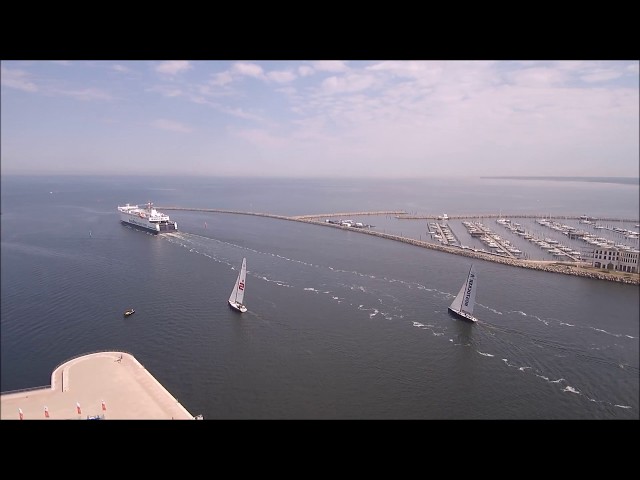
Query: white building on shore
614	258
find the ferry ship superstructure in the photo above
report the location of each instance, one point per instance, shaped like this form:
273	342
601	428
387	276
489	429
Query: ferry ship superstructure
148	218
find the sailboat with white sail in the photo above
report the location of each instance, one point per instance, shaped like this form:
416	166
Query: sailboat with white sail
237	294
462	305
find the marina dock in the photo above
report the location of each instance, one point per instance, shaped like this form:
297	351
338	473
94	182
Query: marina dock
102	385
567	268
520	215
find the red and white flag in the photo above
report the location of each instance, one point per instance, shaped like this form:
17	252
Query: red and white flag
78	408
46	412
20	413
104	406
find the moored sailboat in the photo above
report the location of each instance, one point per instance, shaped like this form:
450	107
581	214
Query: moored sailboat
462	305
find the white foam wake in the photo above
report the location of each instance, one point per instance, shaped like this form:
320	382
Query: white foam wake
485	354
604	331
280	283
570	389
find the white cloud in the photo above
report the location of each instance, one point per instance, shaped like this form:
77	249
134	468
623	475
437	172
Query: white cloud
305	70
85	94
166	90
17	79
538	77
281	76
415	75
173	67
253	70
120	68
381	118
261	138
221	79
405	68
348	83
20	80
287	90
573	65
330	66
601	75
447	110
171	125
248	69
240	113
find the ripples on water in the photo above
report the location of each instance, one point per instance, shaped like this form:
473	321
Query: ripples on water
536	352
340	325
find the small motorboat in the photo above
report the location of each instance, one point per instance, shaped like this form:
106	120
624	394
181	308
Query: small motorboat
129	312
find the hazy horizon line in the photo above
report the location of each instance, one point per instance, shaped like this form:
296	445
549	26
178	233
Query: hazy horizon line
603	179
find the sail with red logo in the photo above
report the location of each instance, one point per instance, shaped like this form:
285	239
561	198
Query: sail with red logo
237	294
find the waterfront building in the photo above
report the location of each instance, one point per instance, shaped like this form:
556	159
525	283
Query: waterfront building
615	258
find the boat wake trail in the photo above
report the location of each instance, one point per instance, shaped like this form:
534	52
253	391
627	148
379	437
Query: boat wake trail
546	358
549	349
555	322
338	286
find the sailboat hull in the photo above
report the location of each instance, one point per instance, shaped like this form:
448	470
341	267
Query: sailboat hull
463	315
238	307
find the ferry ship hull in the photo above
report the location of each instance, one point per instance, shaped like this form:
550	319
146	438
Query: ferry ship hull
133	223
148	219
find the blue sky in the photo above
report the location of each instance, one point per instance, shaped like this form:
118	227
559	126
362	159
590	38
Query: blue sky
321	118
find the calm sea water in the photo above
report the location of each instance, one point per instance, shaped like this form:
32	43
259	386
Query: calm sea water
340	325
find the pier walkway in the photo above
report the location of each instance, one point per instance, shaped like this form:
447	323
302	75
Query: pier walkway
443	239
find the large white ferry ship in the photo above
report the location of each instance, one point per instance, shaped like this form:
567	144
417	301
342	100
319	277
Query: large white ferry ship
147	218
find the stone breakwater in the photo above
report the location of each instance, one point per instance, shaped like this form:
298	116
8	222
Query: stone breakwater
555	267
348	214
